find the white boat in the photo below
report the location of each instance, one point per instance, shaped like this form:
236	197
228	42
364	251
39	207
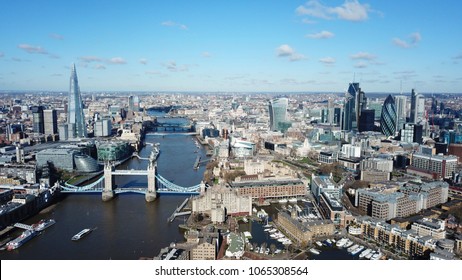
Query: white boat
315	251
293	200
244	219
282	201
357	250
365	253
81	234
348	244
376	256
341	242
319	243
352	248
369	256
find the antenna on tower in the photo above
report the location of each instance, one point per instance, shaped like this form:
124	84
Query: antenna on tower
401	87
354	76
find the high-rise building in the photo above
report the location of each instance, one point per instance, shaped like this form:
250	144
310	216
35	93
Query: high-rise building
37	116
75	116
355	102
133	103
411	133
50	118
366	120
278	113
388	117
401	110
417	107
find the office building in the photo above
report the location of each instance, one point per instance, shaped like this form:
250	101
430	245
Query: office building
50	118
388	119
412	133
401	110
417	107
75	116
366	120
278	113
37	117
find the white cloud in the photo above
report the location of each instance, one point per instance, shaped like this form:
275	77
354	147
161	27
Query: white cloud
174	67
363	56
321	35
414	39
32	49
99	67
56	36
206	54
89	59
170	23
361	64
327	60
143	61
350	10
117	60
287	51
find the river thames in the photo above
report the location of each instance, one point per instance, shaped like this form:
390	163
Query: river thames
127	227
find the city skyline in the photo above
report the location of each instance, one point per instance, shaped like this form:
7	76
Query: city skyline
303	46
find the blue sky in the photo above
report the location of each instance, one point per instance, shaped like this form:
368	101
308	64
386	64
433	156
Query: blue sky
232	46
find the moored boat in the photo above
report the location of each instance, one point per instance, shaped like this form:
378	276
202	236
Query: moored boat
341	242
357	250
20	240
365	253
348	244
315	251
43	224
319	243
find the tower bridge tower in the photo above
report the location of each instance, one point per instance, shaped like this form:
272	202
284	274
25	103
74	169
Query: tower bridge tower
108	192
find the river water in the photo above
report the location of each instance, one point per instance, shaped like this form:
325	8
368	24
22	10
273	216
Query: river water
127	227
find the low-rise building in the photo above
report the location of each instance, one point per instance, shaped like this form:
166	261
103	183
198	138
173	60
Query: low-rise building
304	232
272	189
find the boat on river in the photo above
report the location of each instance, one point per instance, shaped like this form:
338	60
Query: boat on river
81	234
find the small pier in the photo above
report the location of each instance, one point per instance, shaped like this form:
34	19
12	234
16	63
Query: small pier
23	226
177	212
197	163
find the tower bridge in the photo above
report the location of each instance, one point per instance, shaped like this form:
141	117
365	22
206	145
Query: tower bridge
156	184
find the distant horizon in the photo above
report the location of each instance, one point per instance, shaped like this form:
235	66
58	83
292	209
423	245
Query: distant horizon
240	46
221	92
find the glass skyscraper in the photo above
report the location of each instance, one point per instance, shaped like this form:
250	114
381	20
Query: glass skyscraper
417	107
388	117
355	101
278	113
75	116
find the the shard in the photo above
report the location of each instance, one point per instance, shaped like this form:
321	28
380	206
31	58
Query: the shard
75	116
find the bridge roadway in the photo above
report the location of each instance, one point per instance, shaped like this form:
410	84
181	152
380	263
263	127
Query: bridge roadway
130	172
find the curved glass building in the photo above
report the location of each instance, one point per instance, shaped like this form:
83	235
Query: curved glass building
388	117
278	113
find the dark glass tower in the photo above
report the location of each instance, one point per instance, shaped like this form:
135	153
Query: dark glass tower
388	117
37	117
75	117
355	102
